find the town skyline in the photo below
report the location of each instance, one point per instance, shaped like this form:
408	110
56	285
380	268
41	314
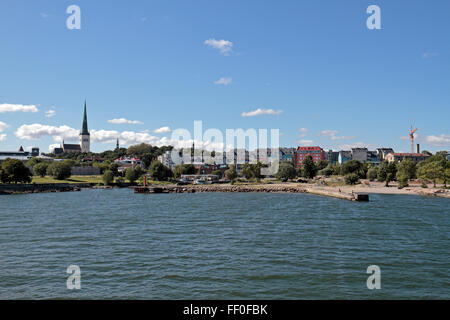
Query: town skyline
320	76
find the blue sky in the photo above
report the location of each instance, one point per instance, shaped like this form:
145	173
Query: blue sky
313	63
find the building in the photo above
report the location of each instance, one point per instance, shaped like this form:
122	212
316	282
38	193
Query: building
398	157
372	157
316	153
359	154
383	152
332	156
19	155
287	155
344	156
84	139
448	156
129	160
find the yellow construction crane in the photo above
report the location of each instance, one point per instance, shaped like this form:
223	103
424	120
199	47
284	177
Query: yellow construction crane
411	137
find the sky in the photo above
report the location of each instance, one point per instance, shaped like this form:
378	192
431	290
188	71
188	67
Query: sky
311	69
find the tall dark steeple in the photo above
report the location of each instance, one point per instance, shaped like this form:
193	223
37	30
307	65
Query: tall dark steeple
84	130
85	137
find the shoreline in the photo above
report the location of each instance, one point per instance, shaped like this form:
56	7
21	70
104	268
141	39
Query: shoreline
342	192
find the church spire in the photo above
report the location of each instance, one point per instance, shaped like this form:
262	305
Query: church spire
84	130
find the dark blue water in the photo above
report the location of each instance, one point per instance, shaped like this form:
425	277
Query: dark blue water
222	246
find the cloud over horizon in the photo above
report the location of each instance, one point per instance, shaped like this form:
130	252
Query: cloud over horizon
333	135
259	112
6	107
124	121
162	130
442	140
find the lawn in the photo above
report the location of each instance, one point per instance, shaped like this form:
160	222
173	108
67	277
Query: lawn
72	179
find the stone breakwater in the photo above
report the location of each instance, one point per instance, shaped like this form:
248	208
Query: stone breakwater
275	188
6	189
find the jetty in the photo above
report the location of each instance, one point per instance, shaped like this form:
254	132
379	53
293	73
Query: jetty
264	188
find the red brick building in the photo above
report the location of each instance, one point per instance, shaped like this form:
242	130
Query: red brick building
316	153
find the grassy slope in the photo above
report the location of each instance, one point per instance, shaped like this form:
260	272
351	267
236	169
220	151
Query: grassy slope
72	179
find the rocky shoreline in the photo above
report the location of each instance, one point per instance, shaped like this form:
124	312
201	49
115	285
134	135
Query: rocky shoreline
261	188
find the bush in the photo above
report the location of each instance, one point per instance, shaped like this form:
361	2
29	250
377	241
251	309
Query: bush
285	172
372	174
108	177
328	171
352	178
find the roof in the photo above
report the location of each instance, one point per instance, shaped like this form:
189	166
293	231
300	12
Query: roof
71	147
84	129
411	154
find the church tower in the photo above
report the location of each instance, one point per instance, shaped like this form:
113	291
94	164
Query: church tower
85	137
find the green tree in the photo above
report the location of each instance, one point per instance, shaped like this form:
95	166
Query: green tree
352	178
387	172
40	169
33	161
130	174
231	173
14	171
309	168
402	180
372	173
247	171
322	164
286	171
108	177
218	173
159	172
328	171
407	169
60	170
432	170
352	166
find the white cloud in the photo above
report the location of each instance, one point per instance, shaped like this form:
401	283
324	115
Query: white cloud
50	113
124	121
307	143
224	46
303	130
3	137
224	81
333	135
37	131
3	126
53	146
259	112
442	140
329	133
17	108
45	15
162	130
